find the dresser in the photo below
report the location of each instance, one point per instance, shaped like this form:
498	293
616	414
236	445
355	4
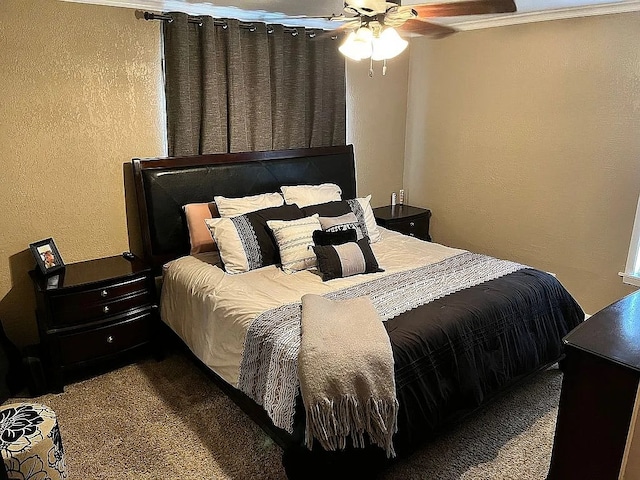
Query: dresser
412	221
597	433
93	314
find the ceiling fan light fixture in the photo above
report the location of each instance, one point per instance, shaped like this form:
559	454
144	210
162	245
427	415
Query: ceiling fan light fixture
388	45
358	45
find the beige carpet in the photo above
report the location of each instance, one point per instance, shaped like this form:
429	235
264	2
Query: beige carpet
168	420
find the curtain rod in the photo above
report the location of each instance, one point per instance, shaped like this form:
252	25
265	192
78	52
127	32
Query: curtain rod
222	23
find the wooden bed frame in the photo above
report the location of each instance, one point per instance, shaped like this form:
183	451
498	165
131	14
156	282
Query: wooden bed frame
164	185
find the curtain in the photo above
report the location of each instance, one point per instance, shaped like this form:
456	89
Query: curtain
235	89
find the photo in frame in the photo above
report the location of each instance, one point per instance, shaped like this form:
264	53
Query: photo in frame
47	256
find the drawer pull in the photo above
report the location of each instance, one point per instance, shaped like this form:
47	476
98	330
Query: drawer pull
110	339
104	293
412	224
105	309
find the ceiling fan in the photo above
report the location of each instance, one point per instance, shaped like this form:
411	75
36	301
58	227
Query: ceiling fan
415	18
374	24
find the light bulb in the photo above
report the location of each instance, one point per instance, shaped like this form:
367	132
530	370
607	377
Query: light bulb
357	45
388	45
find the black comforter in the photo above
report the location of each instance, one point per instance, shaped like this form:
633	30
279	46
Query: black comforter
450	355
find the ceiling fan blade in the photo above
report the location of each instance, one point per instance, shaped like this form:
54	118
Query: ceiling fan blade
346	26
469	7
427	29
396	16
333	18
339	30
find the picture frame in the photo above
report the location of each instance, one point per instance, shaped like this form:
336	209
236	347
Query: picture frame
47	256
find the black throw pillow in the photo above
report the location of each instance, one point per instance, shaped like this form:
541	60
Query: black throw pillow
266	241
352	258
322	238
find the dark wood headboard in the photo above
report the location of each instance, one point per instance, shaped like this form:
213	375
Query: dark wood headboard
164	185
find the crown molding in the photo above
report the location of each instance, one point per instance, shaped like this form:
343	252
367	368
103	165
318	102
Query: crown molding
195	7
153	5
474	23
253	13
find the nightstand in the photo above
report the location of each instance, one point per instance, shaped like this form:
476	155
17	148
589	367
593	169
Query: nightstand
92	314
413	221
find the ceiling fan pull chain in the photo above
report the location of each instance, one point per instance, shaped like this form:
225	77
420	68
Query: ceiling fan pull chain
370	67
384	67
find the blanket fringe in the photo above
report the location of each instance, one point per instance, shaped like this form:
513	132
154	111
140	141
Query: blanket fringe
331	422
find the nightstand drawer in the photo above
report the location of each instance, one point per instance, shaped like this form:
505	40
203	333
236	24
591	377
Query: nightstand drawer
108	340
415	227
100	302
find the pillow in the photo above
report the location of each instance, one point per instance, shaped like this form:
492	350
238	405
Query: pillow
359	206
303	195
348	221
245	241
353	258
321	237
232	207
294	239
199	236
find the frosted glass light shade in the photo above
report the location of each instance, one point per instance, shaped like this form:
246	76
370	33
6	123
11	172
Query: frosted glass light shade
388	45
358	44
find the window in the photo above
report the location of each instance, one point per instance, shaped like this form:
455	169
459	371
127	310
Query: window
631	274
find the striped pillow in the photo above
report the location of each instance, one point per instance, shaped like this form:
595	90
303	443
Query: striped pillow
353	258
360	207
245	241
295	239
348	221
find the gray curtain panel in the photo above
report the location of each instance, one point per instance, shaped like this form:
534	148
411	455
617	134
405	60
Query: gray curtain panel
235	90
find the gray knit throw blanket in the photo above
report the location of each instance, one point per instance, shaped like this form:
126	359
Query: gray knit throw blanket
345	367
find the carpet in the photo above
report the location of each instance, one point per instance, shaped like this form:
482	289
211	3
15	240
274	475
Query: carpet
167	419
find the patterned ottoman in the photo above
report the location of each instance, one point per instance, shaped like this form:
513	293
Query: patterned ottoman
30	442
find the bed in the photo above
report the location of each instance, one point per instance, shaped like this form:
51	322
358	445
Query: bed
462	327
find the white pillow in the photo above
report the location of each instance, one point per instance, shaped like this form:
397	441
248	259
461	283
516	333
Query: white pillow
295	239
232	207
369	218
364	212
303	195
343	222
229	242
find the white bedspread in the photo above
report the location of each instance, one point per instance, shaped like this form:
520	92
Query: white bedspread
211	310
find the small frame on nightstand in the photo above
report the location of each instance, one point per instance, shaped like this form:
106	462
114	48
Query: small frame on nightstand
47	256
412	221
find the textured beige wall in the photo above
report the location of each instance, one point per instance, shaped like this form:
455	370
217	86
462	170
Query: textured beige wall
376	118
80	97
524	142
